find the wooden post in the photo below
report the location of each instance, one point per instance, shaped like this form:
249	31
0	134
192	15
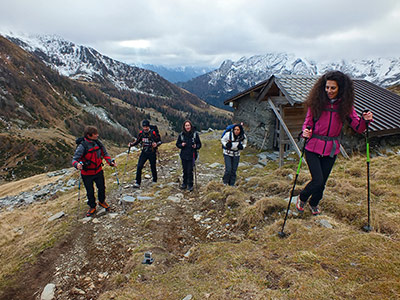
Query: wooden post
281	139
283	125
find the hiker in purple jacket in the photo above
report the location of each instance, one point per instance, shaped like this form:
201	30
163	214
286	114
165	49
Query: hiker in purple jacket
330	104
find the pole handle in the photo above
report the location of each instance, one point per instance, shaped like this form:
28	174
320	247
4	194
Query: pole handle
365	110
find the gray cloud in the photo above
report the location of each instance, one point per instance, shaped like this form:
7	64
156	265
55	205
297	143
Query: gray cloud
206	32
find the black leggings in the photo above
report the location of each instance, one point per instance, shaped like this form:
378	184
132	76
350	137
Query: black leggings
320	167
187	166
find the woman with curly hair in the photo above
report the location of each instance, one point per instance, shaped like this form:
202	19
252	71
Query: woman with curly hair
329	105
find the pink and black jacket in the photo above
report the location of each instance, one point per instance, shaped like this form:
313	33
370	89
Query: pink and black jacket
91	154
327	128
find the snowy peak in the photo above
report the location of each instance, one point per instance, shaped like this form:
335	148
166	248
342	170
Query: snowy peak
233	77
85	63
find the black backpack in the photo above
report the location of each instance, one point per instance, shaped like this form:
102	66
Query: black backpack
155	129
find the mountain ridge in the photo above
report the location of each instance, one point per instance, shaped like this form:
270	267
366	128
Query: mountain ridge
232	77
139	87
35	96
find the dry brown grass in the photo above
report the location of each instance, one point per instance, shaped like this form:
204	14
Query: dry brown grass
313	262
26	231
254	215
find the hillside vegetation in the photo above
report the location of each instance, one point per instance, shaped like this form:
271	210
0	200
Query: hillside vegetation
218	242
42	113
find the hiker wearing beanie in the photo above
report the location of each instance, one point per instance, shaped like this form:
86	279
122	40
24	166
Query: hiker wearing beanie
330	105
149	141
189	143
88	159
233	141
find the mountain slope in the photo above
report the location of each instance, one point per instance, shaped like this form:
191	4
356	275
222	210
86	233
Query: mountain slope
218	242
138	87
42	112
111	95
234	77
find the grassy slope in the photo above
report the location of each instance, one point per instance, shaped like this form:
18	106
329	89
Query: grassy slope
314	262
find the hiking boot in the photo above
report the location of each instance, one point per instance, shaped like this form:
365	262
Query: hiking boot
91	212
183	186
105	205
300	205
136	185
190	188
315	210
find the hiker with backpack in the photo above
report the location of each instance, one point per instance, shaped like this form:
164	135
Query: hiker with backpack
329	105
150	139
88	159
189	143
233	141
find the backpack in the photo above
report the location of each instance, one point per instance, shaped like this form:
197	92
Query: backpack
81	140
230	128
195	135
155	129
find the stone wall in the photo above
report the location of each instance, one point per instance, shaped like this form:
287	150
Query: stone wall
258	119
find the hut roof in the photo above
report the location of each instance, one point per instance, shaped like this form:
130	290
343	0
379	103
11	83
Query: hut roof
295	88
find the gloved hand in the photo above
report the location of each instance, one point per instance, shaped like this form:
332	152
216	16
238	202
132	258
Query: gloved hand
113	163
229	145
240	146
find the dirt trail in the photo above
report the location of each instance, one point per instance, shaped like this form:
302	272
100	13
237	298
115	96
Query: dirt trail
84	263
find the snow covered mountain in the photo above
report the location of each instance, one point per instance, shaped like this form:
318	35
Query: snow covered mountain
233	77
135	86
85	63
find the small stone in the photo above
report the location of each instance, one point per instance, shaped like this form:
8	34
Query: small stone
144	198
77	291
197	217
174	199
48	292
187	254
325	223
127	198
56	216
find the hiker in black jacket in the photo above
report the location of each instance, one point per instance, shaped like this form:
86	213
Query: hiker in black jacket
189	143
149	141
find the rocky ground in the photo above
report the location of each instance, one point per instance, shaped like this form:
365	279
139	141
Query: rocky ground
167	221
216	242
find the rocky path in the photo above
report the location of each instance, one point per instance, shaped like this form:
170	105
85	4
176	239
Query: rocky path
162	220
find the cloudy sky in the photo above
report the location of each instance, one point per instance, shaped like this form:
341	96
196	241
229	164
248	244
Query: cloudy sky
206	32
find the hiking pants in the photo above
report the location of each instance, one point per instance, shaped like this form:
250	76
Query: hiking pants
187	166
88	181
320	167
231	165
144	156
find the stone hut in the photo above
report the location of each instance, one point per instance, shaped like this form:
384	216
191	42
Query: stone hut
273	112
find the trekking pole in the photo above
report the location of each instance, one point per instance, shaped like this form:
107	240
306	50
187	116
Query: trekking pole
116	174
368	227
158	156
79	197
281	233
195	171
126	163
